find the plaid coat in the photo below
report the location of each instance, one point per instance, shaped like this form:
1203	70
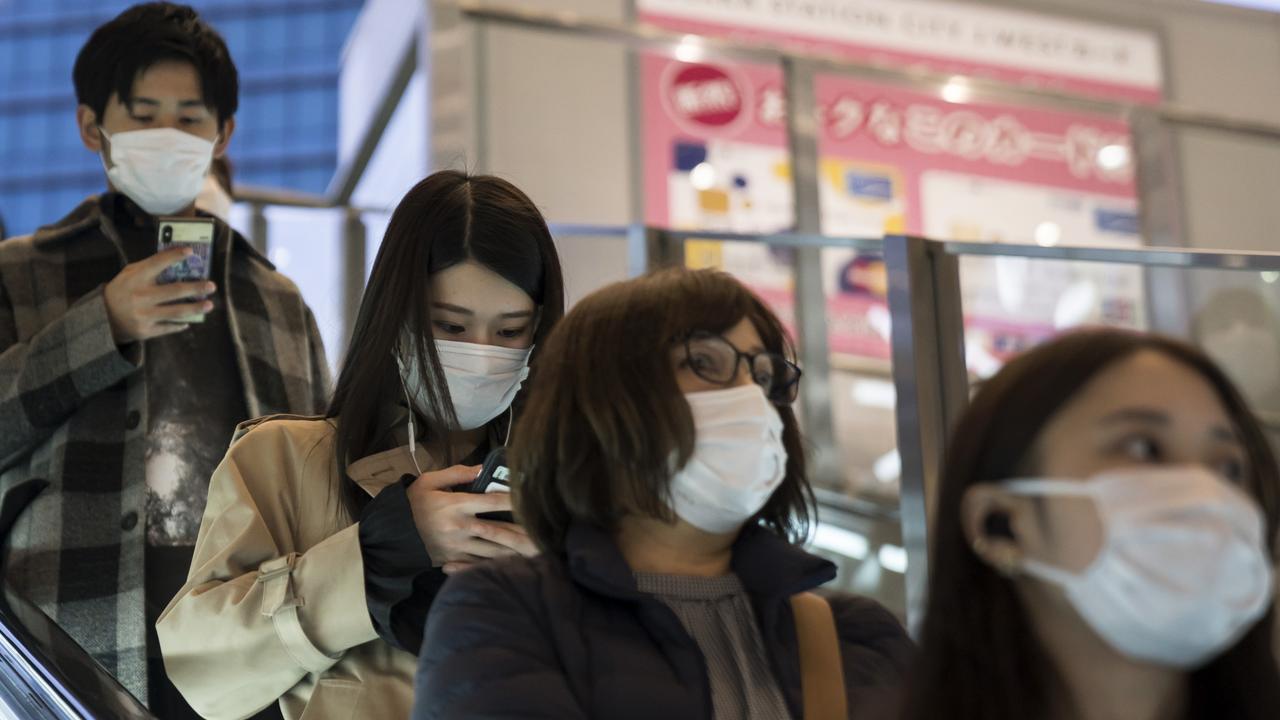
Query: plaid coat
73	421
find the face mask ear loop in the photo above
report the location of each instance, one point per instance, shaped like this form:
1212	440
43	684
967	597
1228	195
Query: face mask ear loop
105	152
511	412
413	429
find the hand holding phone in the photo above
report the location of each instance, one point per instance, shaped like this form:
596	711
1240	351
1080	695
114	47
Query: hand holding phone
195	234
140	309
450	522
494	477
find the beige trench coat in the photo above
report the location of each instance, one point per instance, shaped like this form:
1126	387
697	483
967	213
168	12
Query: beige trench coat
274	606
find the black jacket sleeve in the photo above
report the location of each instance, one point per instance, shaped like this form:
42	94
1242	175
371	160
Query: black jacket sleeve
399	580
486	653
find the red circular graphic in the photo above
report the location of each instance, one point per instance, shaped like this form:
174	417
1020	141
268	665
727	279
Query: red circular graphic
705	95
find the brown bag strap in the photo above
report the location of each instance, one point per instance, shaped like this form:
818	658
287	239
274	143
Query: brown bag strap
821	672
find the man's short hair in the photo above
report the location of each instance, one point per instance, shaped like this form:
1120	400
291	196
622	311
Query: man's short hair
146	34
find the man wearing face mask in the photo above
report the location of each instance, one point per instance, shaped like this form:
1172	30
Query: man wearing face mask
118	395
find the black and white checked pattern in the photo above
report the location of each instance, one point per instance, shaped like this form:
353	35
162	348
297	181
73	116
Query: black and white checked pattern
73	412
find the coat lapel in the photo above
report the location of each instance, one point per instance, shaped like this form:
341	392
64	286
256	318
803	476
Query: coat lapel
376	472
269	331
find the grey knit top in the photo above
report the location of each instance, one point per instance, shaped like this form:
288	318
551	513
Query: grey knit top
717	613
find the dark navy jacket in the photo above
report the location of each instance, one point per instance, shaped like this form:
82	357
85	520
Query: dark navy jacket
572	637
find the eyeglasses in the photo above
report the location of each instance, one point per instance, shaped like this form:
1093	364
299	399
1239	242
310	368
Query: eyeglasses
715	359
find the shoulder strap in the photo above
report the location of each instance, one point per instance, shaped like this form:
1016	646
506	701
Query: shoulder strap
821	671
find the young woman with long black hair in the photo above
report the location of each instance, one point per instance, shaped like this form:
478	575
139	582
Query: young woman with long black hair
326	539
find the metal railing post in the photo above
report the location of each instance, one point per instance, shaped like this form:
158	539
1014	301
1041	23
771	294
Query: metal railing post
932	388
652	248
810	299
353	265
259	229
1154	158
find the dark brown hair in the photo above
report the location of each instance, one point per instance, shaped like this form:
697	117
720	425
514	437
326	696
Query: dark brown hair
978	656
446	219
596	438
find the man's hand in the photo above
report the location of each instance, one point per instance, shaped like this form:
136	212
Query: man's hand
136	304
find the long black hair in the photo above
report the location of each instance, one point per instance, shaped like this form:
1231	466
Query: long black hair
979	658
446	219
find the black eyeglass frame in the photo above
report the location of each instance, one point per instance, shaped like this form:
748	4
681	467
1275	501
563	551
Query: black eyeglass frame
782	396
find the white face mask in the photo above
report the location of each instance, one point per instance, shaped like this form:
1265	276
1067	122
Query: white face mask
1183	572
738	459
161	169
483	379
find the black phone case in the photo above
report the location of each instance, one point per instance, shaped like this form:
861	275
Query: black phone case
497	459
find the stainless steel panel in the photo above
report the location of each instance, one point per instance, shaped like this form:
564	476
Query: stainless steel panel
932	387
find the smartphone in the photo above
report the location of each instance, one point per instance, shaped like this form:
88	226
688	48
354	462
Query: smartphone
196	234
494	476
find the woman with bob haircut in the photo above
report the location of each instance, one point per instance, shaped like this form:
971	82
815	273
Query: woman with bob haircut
326	539
1103	543
659	468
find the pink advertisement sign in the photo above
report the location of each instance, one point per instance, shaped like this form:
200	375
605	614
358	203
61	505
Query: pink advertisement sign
715	145
895	160
1025	48
914	133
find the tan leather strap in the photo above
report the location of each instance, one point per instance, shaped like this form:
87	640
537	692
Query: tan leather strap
821	672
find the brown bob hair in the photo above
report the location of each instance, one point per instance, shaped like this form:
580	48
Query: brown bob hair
604	416
979	657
